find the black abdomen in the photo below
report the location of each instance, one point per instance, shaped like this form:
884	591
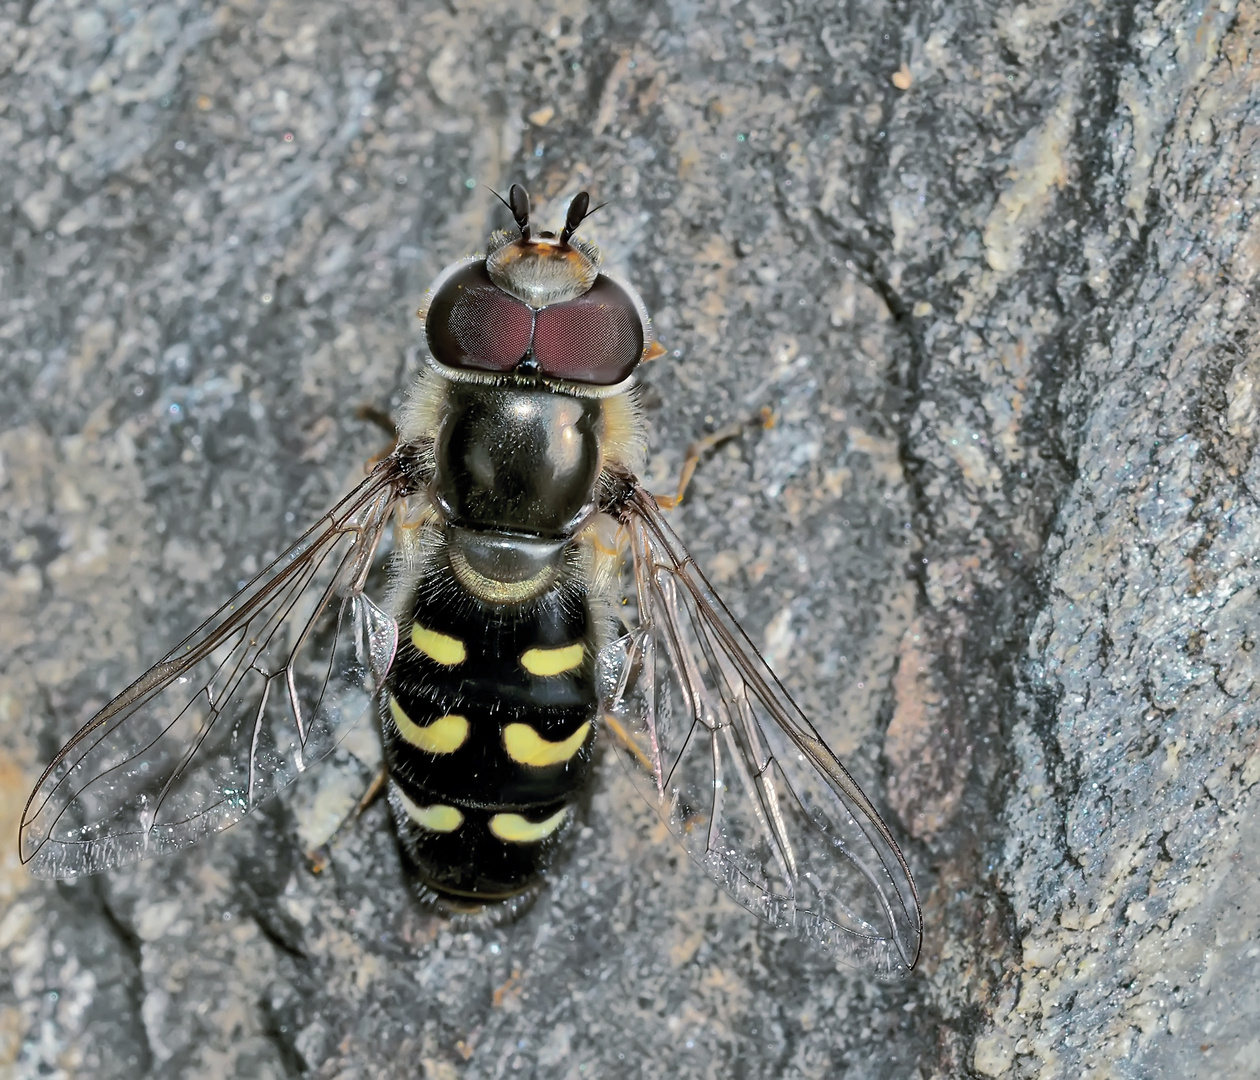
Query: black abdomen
488	722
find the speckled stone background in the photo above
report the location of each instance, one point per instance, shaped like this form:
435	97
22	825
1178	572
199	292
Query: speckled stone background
991	265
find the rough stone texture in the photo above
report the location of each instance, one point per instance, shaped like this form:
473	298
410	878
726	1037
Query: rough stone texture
990	265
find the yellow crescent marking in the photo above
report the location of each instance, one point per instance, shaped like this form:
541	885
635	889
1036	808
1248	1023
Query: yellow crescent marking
434	818
517	830
444	736
526	747
441	647
552	661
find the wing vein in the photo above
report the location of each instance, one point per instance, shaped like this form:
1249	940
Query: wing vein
794	839
199	739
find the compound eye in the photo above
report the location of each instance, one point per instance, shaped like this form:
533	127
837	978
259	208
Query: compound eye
597	338
472	323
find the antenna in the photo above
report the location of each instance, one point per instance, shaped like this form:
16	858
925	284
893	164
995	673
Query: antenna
518	203
578	209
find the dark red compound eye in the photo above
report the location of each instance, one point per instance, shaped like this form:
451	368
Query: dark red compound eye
597	338
474	324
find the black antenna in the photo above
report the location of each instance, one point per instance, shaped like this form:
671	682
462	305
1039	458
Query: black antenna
578	209
518	203
496	195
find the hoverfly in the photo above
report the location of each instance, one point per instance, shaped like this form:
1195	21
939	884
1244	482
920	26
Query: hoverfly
503	646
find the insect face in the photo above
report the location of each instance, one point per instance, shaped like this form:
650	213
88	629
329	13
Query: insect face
536	306
541	272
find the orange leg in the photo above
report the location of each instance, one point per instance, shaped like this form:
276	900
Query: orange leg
382	420
509	991
319	859
623	736
701	447
373	791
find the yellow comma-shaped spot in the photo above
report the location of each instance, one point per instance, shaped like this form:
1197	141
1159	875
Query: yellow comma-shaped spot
552	661
515	829
444	736
526	747
434	818
440	647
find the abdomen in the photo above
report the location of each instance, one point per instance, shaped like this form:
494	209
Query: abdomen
488	714
488	721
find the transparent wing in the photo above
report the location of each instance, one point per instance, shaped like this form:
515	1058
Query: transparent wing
739	774
263	688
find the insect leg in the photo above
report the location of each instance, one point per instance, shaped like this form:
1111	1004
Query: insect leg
701	447
319	858
623	737
372	793
385	422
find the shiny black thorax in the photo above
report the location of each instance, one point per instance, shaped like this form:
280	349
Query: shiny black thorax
515	474
519	458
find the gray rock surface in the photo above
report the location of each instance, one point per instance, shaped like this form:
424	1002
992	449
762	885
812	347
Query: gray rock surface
990	266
